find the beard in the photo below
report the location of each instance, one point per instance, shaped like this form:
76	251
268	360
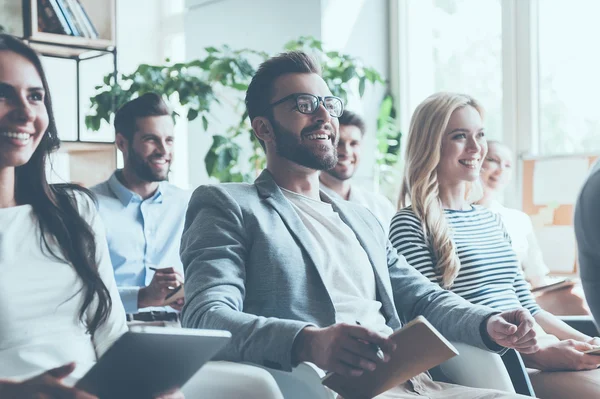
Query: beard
289	146
342	176
143	170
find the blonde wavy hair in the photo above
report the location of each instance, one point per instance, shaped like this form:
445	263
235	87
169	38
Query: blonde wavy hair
420	186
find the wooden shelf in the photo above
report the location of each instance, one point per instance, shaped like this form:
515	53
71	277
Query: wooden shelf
89	163
86	163
85	146
20	18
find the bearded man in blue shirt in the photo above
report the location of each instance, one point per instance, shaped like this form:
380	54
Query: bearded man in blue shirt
143	213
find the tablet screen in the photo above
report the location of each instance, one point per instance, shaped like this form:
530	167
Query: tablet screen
146	361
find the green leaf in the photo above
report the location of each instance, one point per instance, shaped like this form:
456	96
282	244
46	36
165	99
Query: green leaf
348	73
240	86
361	87
192	114
204	123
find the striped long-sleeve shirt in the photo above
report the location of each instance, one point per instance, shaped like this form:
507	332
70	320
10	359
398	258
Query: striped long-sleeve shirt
489	273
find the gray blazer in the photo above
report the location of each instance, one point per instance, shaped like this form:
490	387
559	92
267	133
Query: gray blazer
249	270
587	231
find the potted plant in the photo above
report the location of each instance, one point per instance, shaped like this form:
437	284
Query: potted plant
220	79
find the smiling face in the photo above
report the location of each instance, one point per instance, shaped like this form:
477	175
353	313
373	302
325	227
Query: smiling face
150	153
23	115
463	147
496	172
349	150
309	140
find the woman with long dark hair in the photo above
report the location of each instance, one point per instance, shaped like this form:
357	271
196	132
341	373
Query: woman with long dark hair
58	298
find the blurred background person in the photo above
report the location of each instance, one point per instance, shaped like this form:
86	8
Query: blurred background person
337	182
496	174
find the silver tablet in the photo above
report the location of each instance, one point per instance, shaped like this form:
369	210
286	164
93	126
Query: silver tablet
148	360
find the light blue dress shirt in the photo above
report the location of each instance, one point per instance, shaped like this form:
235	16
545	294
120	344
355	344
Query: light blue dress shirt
141	234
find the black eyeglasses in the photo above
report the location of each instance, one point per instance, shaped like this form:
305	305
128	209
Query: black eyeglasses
308	103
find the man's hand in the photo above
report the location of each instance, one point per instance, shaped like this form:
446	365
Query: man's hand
513	329
163	282
563	355
178	304
47	385
342	348
172	394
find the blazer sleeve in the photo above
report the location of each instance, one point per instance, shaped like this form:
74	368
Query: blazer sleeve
587	231
416	293
214	248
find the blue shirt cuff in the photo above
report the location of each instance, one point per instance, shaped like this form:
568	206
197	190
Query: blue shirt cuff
129	296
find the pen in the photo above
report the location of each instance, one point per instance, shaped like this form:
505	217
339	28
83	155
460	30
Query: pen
154	269
375	347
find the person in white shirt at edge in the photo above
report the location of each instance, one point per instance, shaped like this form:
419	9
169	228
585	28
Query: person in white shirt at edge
59	305
464	247
290	270
496	174
143	214
337	181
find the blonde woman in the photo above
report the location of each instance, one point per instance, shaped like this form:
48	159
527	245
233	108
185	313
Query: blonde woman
465	248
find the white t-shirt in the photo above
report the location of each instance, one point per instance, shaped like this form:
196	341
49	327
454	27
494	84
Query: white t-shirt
342	263
381	207
520	229
40	299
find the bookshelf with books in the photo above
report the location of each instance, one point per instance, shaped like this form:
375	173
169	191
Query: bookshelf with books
76	23
77	41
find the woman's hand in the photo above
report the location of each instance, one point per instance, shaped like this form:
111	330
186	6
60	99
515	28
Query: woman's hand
47	385
562	356
594	341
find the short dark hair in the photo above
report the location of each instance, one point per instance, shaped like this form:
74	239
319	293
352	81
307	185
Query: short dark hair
350	118
259	91
149	104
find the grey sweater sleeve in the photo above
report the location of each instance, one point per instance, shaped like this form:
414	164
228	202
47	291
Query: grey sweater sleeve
587	231
214	250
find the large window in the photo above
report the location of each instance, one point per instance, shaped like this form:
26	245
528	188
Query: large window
456	45
534	64
569	76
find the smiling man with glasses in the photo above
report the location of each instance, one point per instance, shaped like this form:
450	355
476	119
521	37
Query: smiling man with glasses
289	270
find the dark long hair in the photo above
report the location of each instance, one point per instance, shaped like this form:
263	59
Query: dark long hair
55	206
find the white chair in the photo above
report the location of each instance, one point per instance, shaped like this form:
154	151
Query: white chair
227	380
477	368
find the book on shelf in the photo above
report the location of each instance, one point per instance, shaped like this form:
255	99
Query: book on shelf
66	17
70	17
53	19
84	19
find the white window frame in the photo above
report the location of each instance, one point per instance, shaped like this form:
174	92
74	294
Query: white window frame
520	78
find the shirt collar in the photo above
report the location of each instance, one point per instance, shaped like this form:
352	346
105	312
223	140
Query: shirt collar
125	195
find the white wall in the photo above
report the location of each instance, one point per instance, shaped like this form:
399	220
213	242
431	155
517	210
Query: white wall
357	27
361	28
138	33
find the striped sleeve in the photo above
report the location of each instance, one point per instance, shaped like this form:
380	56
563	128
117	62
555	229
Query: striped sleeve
406	235
524	294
